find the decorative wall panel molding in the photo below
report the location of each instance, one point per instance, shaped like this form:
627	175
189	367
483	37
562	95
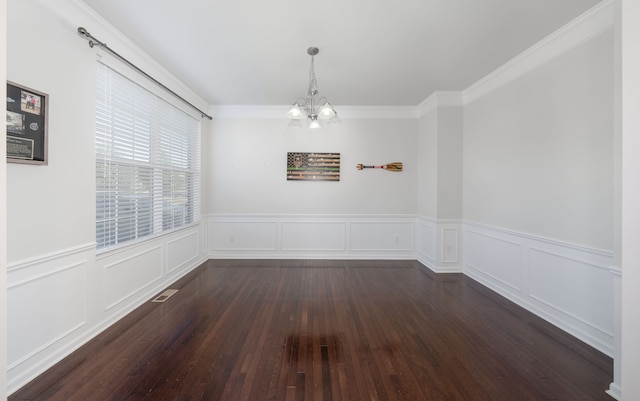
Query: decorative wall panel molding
312	236
59	301
439	244
450	242
231	235
47	303
387	236
127	276
427	242
569	285
59	309
183	251
498	258
133	274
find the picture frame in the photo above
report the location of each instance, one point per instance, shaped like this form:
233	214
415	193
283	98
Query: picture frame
27	125
316	166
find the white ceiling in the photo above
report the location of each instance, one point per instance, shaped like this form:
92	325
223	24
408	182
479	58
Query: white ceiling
372	52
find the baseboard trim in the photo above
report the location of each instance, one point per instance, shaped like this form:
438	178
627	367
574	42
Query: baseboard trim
439	269
615	391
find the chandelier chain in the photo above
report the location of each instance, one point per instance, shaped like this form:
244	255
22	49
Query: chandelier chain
313	83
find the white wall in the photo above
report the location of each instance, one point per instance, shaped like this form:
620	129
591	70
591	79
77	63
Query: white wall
450	133
440	134
37	192
59	292
538	173
630	80
248	161
256	212
428	164
3	206
538	152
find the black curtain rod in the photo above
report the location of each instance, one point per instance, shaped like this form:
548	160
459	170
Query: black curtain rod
93	41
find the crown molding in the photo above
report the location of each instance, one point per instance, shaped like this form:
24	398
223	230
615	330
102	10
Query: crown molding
232	112
344	112
440	99
593	22
76	13
381	112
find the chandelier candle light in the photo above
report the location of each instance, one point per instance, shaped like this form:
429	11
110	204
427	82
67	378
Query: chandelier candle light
315	108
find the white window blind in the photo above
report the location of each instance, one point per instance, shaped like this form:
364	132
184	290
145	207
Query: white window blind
147	162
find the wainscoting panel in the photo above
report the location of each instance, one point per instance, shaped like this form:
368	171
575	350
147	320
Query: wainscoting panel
312	236
58	302
243	235
427	242
37	322
588	304
449	245
47	303
439	244
568	285
182	251
495	256
375	236
125	277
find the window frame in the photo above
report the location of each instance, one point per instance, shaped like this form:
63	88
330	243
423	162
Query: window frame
191	176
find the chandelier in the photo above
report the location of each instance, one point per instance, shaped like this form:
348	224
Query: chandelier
312	107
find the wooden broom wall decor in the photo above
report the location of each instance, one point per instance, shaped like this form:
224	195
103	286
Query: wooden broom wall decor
395	166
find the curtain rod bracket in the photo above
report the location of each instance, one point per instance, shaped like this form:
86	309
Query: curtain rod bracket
93	41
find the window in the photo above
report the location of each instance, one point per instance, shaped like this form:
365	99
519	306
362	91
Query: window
147	162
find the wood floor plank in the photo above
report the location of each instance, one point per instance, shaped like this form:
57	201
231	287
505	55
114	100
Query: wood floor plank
317	330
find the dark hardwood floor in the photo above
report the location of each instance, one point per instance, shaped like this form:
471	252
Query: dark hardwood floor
261	330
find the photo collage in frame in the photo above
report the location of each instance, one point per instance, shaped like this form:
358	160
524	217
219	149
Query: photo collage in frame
26	125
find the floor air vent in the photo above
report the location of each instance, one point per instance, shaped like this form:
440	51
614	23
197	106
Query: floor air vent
164	296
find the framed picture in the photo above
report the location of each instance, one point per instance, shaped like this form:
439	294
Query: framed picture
303	166
27	111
